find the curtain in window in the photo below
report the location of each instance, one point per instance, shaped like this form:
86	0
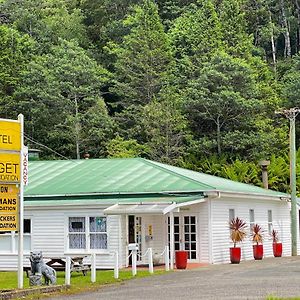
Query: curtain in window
77	233
98	236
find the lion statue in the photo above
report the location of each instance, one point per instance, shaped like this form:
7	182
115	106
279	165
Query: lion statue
39	267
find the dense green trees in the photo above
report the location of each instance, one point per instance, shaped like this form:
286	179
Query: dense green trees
193	83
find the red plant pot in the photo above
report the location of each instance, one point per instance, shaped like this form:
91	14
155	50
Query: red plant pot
235	255
181	259
277	249
258	252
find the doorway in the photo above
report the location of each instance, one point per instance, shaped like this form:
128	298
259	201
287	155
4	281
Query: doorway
135	235
185	235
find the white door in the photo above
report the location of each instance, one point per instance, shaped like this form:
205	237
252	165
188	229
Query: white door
185	234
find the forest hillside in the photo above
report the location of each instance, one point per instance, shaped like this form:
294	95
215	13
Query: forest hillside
192	83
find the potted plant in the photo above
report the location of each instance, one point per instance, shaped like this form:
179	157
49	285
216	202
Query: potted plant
257	238
237	234
277	246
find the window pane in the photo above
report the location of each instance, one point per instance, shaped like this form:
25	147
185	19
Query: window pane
270	218
231	214
27	226
186	246
77	224
27	242
97	224
5	242
193	228
98	241
77	241
251	215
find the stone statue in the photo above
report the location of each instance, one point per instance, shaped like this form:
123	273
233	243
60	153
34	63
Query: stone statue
39	268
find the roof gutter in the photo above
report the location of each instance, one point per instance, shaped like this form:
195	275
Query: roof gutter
166	193
217	194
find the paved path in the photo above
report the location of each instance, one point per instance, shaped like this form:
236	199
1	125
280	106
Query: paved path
248	280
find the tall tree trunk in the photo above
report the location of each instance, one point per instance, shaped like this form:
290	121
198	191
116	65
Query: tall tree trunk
77	128
272	42
218	135
287	40
298	19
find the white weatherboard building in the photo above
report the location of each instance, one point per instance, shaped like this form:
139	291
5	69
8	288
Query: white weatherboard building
100	206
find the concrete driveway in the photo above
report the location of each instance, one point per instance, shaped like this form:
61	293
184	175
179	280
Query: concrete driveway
248	280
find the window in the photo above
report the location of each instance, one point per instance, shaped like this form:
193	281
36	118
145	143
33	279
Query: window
87	233
231	214
251	218
9	239
98	235
270	222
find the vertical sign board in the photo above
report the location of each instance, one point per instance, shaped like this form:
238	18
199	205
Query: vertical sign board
11	183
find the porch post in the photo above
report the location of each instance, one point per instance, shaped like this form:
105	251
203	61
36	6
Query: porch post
171	240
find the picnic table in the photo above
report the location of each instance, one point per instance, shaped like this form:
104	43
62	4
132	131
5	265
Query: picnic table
59	264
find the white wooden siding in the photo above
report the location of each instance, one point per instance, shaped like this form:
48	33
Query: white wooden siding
49	235
159	238
203	232
220	231
49	231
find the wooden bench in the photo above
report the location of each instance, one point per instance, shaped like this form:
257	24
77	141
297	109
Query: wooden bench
59	264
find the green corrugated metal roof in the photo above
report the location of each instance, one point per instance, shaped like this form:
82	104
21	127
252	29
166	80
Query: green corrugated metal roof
75	177
124	176
218	183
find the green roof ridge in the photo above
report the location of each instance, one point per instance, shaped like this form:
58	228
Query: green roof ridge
149	162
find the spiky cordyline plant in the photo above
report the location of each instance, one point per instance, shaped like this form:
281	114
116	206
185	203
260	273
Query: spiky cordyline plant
257	234
237	230
275	236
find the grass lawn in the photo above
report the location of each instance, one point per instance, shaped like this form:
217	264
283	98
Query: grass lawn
276	298
79	283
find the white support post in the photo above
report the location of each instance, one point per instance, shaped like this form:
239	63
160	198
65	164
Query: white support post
167	261
93	267
68	271
134	255
171	240
21	210
116	268
150	260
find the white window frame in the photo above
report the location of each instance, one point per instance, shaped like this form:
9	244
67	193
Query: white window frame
270	221
87	249
14	240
